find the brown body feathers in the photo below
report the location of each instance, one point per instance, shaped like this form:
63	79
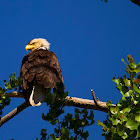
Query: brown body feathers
42	67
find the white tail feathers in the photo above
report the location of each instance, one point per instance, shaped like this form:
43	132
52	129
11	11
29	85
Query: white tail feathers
31	100
37	96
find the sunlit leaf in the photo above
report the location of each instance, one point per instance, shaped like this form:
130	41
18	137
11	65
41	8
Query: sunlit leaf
120	130
115	121
137	117
105	128
126	81
129	93
138	67
136	88
127	109
114	109
132	125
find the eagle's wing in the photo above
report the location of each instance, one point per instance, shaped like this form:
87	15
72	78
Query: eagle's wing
39	67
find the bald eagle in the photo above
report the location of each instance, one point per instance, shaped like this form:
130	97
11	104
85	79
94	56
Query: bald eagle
40	70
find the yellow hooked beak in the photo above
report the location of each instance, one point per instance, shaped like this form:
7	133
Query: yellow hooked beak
29	47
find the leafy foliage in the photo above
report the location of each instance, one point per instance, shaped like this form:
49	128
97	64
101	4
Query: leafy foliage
4	100
71	127
13	83
56	102
123	120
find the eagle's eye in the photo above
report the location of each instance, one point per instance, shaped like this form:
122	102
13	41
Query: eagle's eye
33	43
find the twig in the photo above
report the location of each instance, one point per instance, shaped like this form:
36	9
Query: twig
14	113
94	98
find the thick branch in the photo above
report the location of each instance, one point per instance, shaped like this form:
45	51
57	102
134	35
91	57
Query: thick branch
14	94
14	113
88	104
77	102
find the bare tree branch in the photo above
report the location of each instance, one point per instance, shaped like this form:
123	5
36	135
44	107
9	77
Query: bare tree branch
14	113
88	104
15	94
78	102
94	98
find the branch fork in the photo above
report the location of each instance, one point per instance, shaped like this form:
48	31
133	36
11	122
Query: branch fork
94	98
94	104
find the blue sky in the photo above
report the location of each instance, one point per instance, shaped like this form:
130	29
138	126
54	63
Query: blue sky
89	38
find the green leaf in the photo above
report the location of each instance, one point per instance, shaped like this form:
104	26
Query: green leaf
132	125
123	117
53	122
117	81
77	110
138	132
65	133
114	109
127	82
137	117
91	116
133	65
43	131
56	131
105	128
57	138
129	93
52	136
76	115
108	103
122	60
136	88
127	109
115	121
84	135
125	135
120	130
138	67
71	138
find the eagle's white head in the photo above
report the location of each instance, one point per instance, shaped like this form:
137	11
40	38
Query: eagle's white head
38	43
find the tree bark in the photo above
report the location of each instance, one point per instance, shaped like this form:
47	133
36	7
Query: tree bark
14	113
77	102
